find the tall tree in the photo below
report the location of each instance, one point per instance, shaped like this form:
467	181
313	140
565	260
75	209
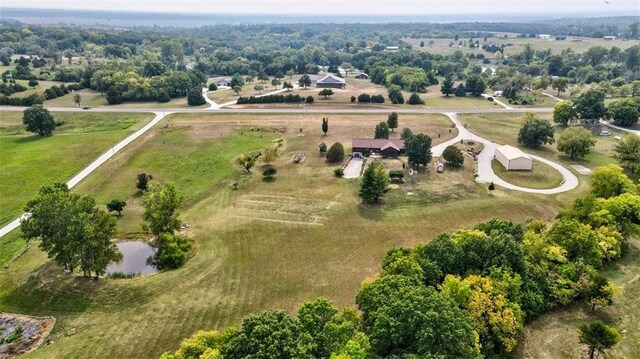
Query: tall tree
375	183
535	132
590	105
142	181
418	149
563	113
77	99
305	81
195	97
382	130
447	86
37	119
560	84
598	336
453	156
325	125
576	142
392	120
161	201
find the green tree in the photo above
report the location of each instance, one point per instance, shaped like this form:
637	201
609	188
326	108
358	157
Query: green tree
596	55
382	130
269	153
418	149
172	251
287	85
335	153
600	291
375	183
578	240
590	104
560	84
259	88
406	133
610	181
275	83
269	171
237	89
624	112
325	126
476	85
563	113
142	181
161	201
326	93
116	205
395	94
247	160
453	156
415	99
77	99
627	151
322	148
305	81
447	86
392	121
236	80
491	187
535	132
598	336
575	142
33	83
213	86
37	119
195	98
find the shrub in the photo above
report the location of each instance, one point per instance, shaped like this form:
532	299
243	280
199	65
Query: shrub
396	175
338	172
309	99
335	153
213	87
322	148
377	99
195	98
415	99
364	98
269	171
143	181
453	156
172	251
353	99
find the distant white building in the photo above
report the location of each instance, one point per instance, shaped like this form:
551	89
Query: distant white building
544	36
392	49
513	159
609	38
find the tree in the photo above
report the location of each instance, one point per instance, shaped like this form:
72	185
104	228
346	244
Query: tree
236	80
598	336
578	240
172	251
453	156
392	121
142	182
269	153
590	104
325	126
575	142
77	99
247	160
213	86
560	84
335	153
347	67
326	93
418	149
563	113
382	130
195	98
447	86
610	181
275	83
116	205
259	88
476	85
33	83
37	119
305	81
375	183
406	133
415	99
491	187
287	85
237	89
161	202
309	99
395	94
600	292
627	151
535	132
269	171
624	112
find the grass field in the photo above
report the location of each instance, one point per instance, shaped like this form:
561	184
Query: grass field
541	175
267	245
29	161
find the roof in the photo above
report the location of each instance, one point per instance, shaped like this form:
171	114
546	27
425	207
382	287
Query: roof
511	153
330	79
380	143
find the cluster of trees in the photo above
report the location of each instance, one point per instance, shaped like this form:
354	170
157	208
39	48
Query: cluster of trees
61	90
589	107
467	294
366	98
275	98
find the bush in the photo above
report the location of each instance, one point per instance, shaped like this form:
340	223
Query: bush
213	87
142	182
377	99
453	156
195	98
353	99
364	98
309	99
415	99
322	148
269	171
338	172
335	153
172	251
396	175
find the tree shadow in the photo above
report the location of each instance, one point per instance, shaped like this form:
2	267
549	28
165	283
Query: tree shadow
32	138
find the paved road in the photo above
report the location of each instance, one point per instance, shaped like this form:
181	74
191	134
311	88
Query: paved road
623	129
215	106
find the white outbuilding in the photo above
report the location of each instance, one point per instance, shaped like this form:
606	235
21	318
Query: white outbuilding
513	159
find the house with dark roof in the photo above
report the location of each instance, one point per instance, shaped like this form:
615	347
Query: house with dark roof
331	81
224	82
383	146
362	76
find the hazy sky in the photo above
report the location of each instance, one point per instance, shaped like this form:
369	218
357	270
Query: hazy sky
630	7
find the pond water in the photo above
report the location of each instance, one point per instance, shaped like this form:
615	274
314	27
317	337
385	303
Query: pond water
136	257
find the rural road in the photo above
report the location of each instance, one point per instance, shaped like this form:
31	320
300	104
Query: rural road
485	172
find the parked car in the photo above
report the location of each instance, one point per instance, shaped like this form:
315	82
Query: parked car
605	133
490	98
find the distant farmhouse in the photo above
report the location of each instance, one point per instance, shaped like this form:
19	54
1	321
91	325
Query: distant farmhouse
224	82
362	76
609	38
383	146
544	36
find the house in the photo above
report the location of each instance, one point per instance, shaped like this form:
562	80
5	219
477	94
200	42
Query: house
362	76
392	49
224	82
544	36
609	38
330	81
513	159
386	147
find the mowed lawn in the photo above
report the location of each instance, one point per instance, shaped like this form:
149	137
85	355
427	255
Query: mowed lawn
541	175
266	245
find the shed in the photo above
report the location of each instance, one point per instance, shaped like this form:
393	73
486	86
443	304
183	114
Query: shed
513	159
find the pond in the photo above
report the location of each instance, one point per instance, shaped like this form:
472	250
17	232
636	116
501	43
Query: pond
136	258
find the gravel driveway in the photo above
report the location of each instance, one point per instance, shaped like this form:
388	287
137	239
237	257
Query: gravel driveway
353	168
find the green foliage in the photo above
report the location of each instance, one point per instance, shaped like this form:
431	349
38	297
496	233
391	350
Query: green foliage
142	181
213	86
161	202
535	132
269	171
575	142
374	183
172	250
304	81
408	78
627	151
476	85
415	99
560	84
590	104
338	172
624	112
578	241
247	160
610	181
71	230
447	86
195	98
309	99
335	153
116	205
395	94
563	113
325	127
326	93
418	149
381	130
598	336
236	80
453	156
392	121
37	119
406	133
322	148
491	187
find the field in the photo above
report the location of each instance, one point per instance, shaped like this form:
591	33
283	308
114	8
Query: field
540	176
264	246
29	161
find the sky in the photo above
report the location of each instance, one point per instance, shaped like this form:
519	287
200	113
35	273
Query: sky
344	7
